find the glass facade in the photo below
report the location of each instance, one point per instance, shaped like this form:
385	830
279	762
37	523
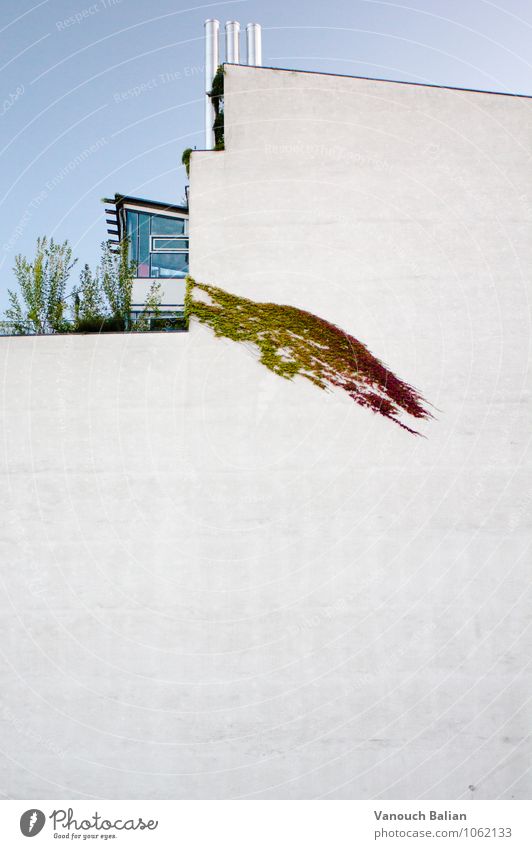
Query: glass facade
158	244
170	243
169	265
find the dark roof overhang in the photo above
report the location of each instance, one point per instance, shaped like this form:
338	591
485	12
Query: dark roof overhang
122	200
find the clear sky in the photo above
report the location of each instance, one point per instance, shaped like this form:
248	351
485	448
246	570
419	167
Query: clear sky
101	96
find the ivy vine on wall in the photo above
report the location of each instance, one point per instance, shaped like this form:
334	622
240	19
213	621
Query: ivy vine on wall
217	96
293	342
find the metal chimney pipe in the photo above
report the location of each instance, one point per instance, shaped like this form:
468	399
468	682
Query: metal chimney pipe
254	44
232	42
212	60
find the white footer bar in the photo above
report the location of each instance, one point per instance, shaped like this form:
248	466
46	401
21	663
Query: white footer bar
267	824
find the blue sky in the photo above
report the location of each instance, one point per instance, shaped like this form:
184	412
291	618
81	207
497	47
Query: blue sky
103	96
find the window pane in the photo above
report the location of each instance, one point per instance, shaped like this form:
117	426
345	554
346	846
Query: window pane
163	225
131	232
143	269
169	265
172	243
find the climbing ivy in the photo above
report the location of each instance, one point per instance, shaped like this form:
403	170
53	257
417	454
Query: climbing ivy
217	96
185	159
294	342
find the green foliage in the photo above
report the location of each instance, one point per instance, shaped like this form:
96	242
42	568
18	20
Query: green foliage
102	301
117	272
217	88
217	96
219	130
89	304
188	305
41	305
99	325
185	159
151	311
294	342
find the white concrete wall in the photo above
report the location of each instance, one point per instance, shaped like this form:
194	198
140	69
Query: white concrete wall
216	583
403	213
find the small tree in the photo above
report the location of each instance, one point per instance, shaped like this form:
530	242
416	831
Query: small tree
151	308
89	304
116	275
42	288
102	300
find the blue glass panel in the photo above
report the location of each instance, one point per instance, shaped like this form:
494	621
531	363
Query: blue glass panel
132	233
143	268
170	243
169	265
163	225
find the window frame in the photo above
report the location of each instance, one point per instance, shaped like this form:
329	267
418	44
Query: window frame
156	255
180	250
134	249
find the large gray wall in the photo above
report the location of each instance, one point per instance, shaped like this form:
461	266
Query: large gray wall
216	583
